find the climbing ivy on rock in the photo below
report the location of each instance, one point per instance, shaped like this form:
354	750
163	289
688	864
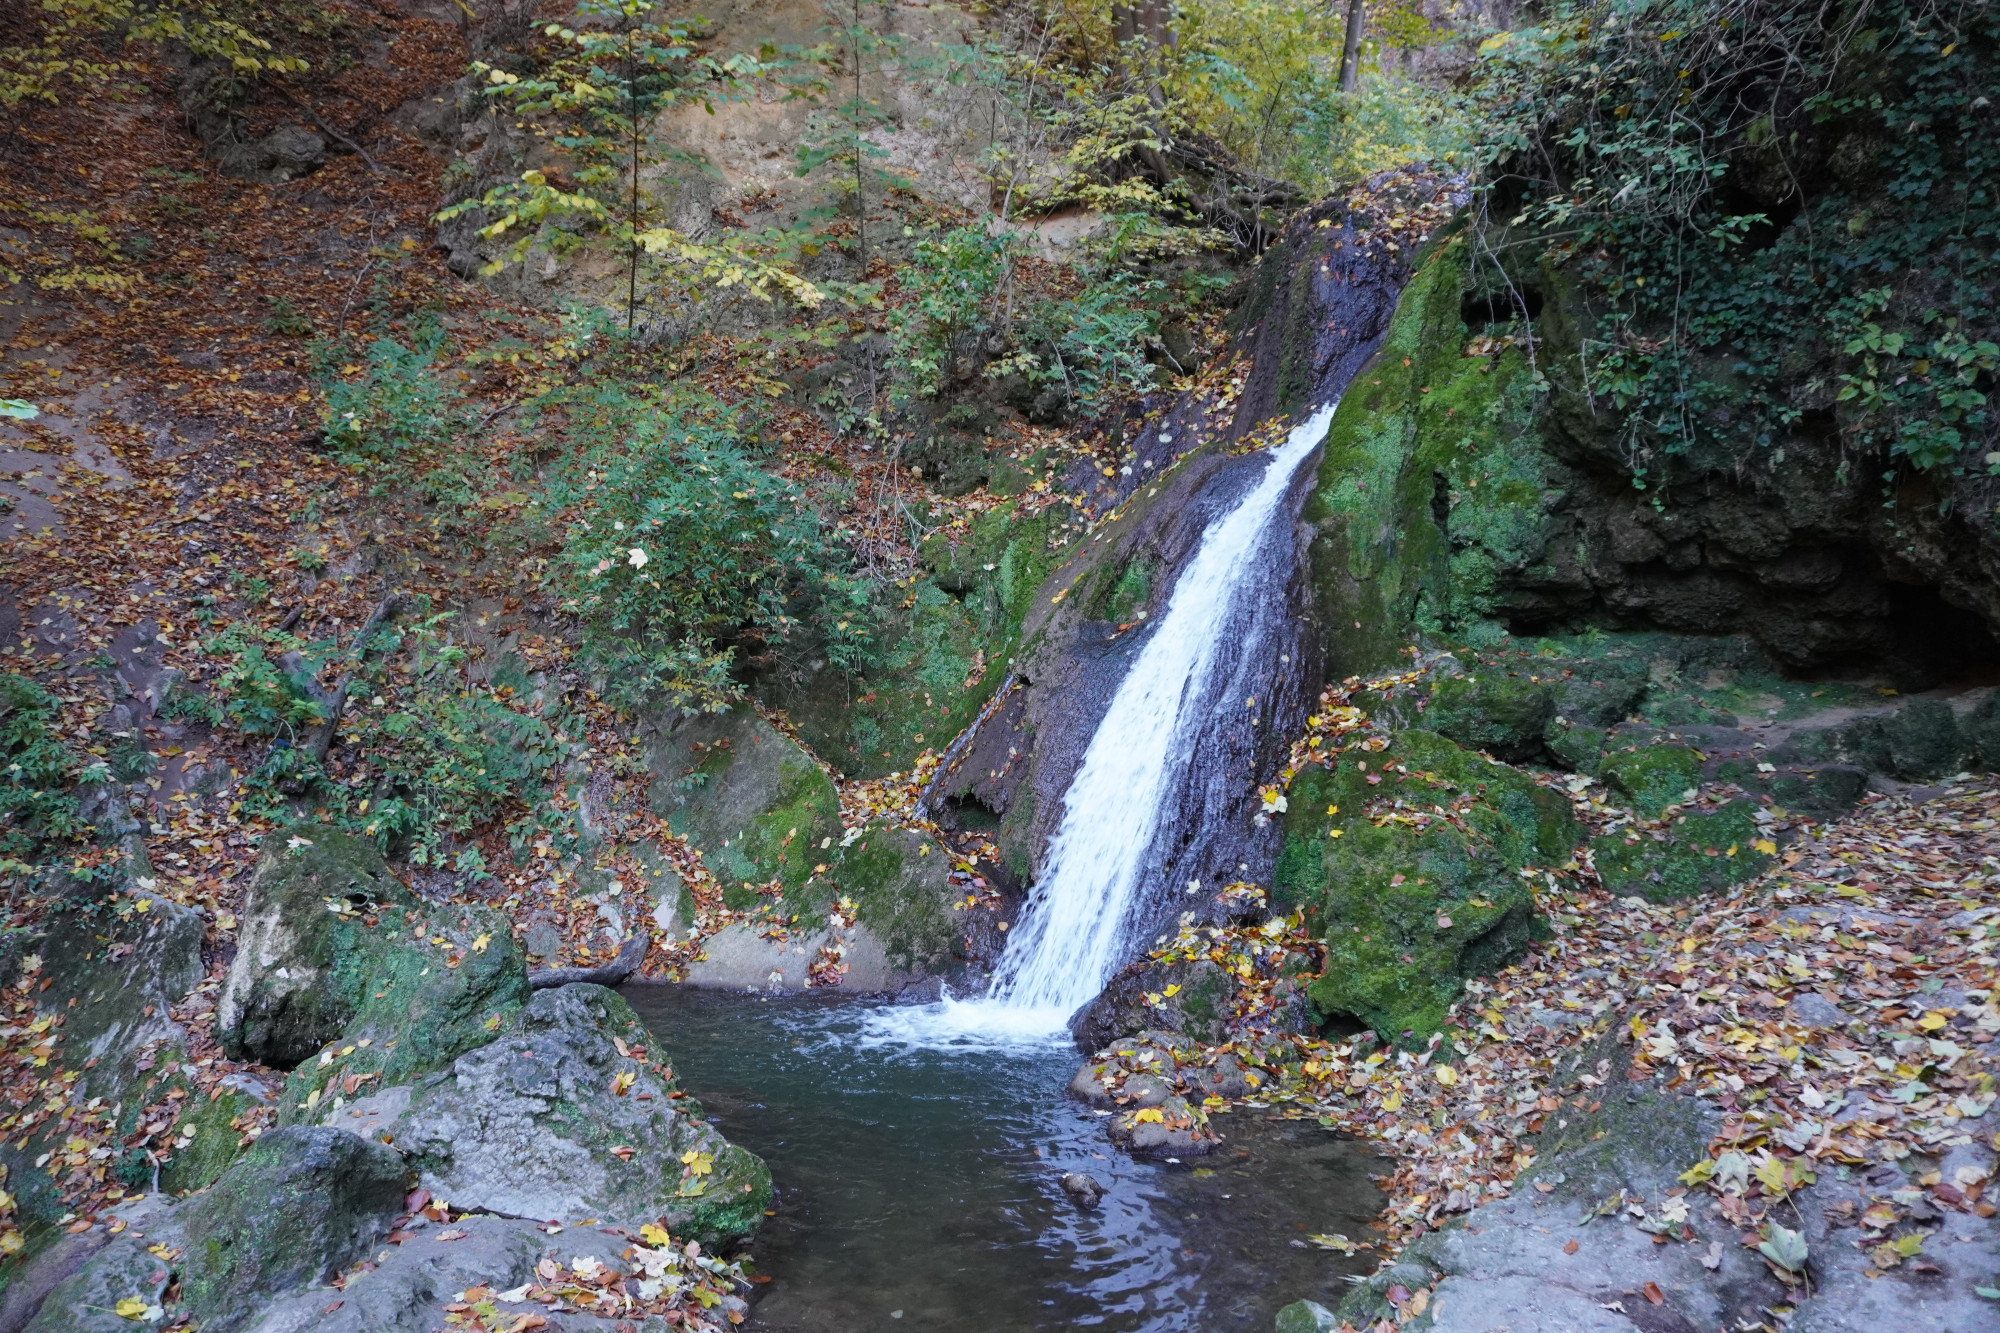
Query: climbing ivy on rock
1781	218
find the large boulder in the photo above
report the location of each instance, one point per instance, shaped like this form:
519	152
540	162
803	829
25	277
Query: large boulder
748	796
564	1117
299	1207
335	949
1409	860
115	965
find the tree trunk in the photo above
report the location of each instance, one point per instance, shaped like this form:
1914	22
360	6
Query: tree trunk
1350	54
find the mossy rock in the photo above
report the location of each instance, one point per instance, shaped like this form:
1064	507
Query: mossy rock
898	881
1981	728
1413	902
293	985
1652	777
338	960
300	1206
1925	742
1862	742
526	1127
1575	746
1138	999
427	985
214	1144
111	1010
744	793
1698	853
1501	712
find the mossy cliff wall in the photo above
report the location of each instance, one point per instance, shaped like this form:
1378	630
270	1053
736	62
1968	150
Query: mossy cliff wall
1471	487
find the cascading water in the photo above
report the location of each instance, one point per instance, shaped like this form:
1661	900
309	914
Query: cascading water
1072	936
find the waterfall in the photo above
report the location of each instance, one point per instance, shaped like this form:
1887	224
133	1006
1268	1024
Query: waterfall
1073	933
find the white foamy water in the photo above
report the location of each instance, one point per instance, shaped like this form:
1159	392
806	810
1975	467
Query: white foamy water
1072	935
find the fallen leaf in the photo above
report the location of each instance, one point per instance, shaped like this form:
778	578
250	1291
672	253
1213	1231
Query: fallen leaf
1569	1247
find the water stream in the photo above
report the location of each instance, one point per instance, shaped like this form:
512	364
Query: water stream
918	1189
1074	932
918	1148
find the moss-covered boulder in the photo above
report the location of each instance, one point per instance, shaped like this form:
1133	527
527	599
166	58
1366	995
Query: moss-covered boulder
293	985
1697	853
115	964
1652	777
1925	742
1501	712
1981	728
345	977
1191	998
1409	860
748	796
297	1208
300	1205
566	1117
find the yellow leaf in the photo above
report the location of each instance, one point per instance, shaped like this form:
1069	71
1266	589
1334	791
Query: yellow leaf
1932	1021
1394	1101
479	944
131	1308
1172	990
1765	846
1151	1113
653	1235
1446	1075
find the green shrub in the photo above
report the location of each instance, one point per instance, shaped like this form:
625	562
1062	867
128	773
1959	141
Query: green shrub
443	755
952	279
36	773
399	408
677	548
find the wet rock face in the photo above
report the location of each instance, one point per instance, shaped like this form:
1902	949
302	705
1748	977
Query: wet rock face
1320	304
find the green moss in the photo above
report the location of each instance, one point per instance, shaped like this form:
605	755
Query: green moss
416	1006
1697	854
215	1144
941	656
1412	902
1580	749
1500	711
1652	777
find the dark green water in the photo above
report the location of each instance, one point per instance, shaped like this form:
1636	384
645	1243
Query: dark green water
918	1188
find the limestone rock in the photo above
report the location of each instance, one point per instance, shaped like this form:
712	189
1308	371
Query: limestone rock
1652	777
530	1126
1502	712
1198	1008
114	970
284	998
1306	1317
285	154
300	1205
1698	853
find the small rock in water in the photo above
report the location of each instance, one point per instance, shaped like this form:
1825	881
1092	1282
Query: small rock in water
1084	1189
1306	1317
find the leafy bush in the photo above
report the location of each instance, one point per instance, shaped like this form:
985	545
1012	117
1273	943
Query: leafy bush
952	280
677	548
256	693
398	408
441	755
1094	344
36	772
